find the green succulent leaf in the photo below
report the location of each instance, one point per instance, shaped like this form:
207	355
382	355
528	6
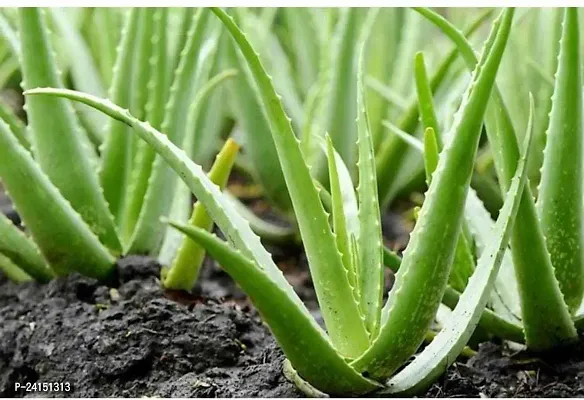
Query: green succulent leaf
559	203
308	349
391	152
116	150
342	317
149	233
12	271
446	346
187	264
154	111
84	71
342	234
56	133
424	91
545	315
370	242
423	276
480	226
431	151
257	138
22	251
64	239
323	365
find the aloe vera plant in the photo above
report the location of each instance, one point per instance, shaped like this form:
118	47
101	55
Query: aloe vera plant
548	270
84	208
364	343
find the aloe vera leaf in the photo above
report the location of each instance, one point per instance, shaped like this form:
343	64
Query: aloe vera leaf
142	51
381	56
463	264
64	239
343	239
258	142
387	93
391	152
370	242
425	99
211	120
341	110
22	251
548	31
16	125
154	111
12	271
116	150
559	203
84	71
342	317
181	206
275	61
56	142
269	232
294	340
306	51
431	150
545	315
323	367
180	40
149	233
181	203
105	31
186	266
423	276
9	35
446	346
490	321
480	227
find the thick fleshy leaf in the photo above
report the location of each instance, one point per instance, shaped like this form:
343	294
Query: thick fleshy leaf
22	251
189	258
116	150
149	232
322	365
312	356
181	204
545	315
84	71
12	271
446	346
370	242
343	237
423	276
64	239
391	152
258	143
559	203
505	297
56	133
342	317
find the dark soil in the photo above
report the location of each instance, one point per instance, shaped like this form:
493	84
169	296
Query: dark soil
133	339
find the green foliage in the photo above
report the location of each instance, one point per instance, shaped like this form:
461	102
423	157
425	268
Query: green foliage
355	344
